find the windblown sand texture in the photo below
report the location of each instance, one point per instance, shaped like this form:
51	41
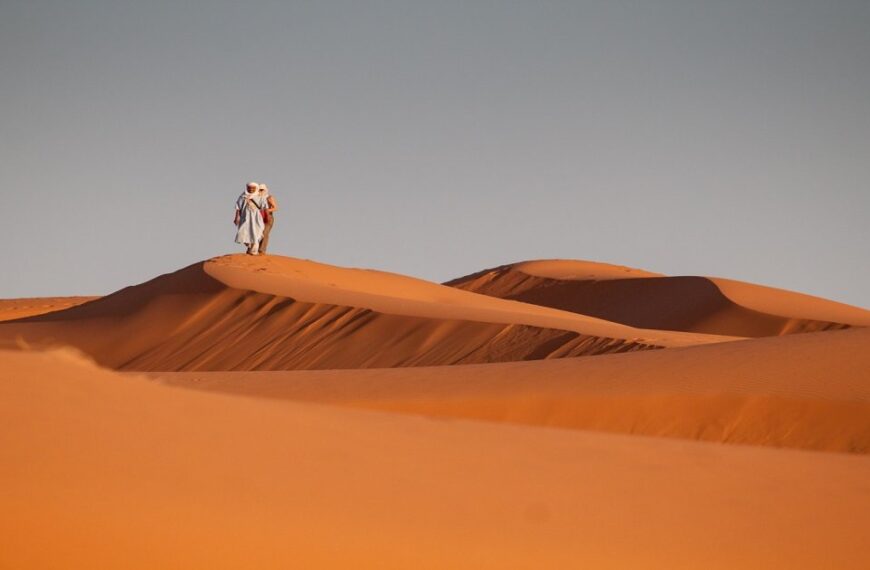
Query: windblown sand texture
270	412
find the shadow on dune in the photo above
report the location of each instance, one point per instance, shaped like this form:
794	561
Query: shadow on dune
188	320
184	285
690	304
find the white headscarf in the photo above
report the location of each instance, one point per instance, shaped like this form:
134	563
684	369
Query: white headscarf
247	198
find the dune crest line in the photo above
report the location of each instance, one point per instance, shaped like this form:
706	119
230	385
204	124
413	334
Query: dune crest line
270	313
649	300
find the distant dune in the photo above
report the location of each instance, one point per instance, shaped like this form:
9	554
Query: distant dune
273	313
649	300
11	309
104	471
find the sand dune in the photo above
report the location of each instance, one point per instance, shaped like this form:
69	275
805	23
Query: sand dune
20	308
807	391
395	294
103	471
648	300
501	460
254	313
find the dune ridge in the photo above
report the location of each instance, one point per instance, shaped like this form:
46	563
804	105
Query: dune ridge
248	313
395	294
11	309
648	300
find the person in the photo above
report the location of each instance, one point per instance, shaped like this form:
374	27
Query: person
248	219
268	216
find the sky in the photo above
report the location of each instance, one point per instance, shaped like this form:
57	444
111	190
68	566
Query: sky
438	138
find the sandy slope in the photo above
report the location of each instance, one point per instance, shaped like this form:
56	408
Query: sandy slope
20	308
253	313
103	471
395	294
807	391
649	300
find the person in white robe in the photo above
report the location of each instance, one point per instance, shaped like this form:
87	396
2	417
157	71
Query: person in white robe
248	219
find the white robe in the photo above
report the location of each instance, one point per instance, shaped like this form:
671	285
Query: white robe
251	225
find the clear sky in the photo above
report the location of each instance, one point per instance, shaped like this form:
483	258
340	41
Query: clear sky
437	138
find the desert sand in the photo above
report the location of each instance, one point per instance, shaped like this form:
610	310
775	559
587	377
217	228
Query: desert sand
808	391
649	300
103	471
298	314
271	412
11	309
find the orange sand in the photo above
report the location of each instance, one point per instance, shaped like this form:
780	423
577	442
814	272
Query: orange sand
103	471
272	313
647	300
498	458
20	308
807	391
